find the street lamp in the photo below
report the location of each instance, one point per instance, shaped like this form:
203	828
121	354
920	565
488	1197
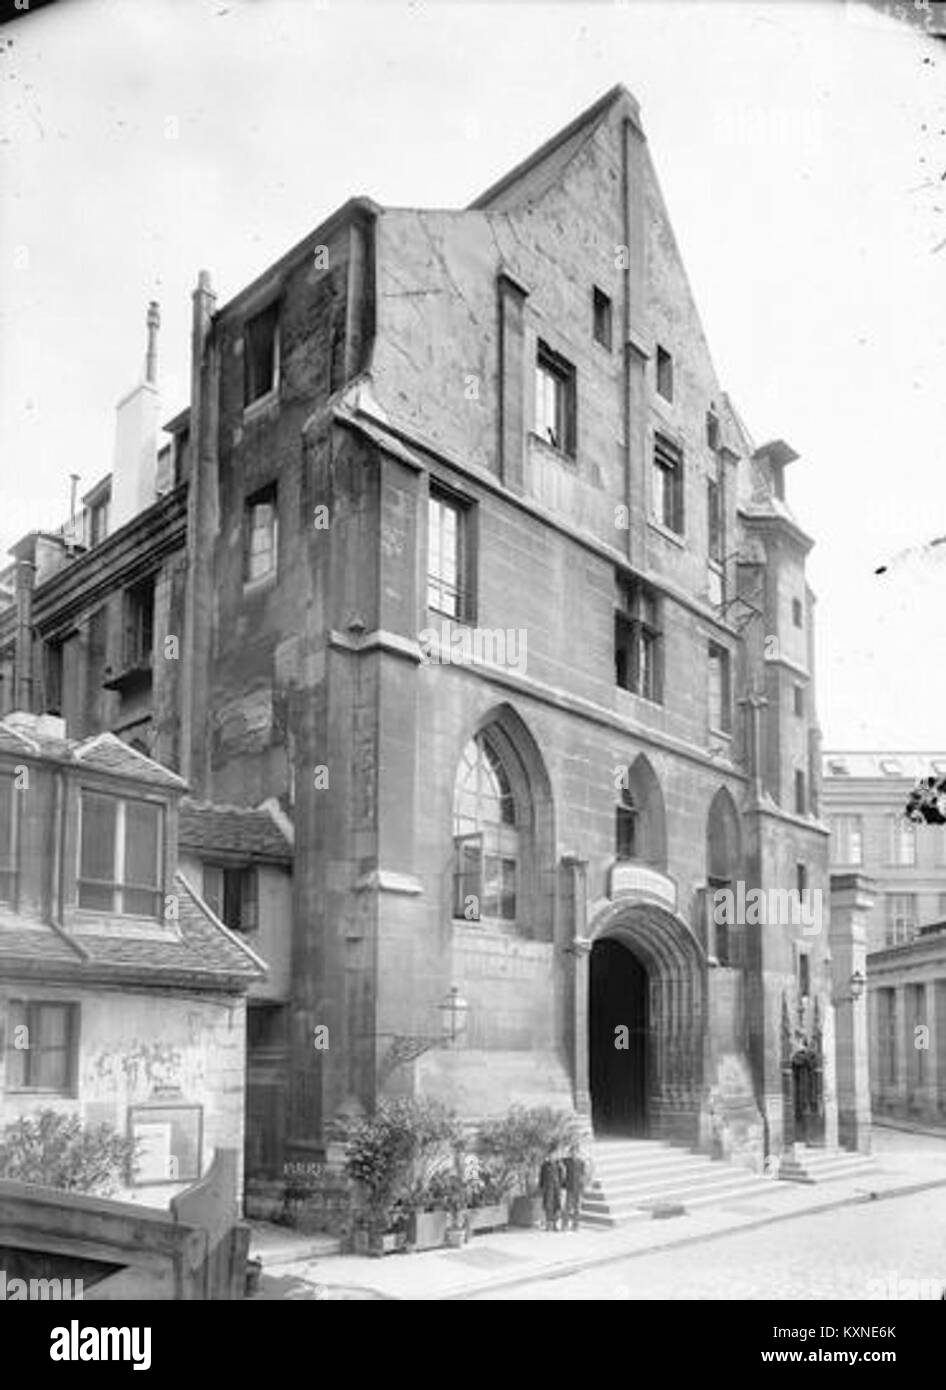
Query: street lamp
453	1011
856	985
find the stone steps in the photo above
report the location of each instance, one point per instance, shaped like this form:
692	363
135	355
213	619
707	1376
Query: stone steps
636	1179
811	1165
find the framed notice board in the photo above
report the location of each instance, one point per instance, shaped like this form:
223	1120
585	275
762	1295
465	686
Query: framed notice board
169	1139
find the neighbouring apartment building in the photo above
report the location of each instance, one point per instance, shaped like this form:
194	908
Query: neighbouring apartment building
122	999
493	615
865	798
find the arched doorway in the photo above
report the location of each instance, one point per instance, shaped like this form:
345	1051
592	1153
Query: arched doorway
617	1039
646	973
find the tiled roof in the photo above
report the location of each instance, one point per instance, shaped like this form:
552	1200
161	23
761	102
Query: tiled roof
201	951
43	737
244	831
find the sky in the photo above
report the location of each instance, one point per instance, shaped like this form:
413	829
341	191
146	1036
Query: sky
802	153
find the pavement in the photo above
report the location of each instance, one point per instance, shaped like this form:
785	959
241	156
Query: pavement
296	1266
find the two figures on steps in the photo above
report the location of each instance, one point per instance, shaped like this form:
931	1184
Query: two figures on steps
562	1180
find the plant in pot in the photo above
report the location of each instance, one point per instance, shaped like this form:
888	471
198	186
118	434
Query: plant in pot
488	1195
516	1146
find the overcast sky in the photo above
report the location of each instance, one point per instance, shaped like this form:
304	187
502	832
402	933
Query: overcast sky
802	153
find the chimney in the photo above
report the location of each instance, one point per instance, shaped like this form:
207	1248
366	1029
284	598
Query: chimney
23	642
134	480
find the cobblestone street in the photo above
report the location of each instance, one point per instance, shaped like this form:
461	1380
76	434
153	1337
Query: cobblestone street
891	1249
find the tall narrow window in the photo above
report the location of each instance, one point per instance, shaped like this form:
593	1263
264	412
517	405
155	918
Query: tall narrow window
902	841
486	836
668	485
447	555
261	536
798	696
720	698
664	373
555	400
804	974
637	640
901	918
627	836
797	614
139	625
260	355
601	306
8	795
801	803
232	894
121	847
53	675
714	521
846	840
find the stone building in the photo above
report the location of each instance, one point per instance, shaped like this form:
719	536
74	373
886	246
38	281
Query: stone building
865	797
122	999
907	998
487	585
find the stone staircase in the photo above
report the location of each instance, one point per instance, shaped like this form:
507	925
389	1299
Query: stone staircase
639	1178
810	1165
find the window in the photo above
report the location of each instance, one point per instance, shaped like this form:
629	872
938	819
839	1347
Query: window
720	700
891	767
668	485
846	840
261	536
714	521
664	373
232	894
801	878
139	625
796	612
887	1008
486	836
121	848
804	974
42	1045
637	640
555	400
901	918
800	802
53	677
626	828
267	1025
798	695
902	841
260	355
7	838
447	555
98	522
712	429
602	318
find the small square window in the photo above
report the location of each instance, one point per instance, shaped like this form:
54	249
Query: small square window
602	318
42	1046
664	373
797	612
260	355
232	894
261	535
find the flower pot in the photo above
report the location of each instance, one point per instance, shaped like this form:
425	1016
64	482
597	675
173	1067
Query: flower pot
361	1242
386	1243
489	1218
427	1229
525	1211
456	1236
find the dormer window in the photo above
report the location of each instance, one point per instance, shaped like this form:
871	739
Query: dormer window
121	853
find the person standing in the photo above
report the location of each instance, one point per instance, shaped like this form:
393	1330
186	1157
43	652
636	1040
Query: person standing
575	1177
550	1185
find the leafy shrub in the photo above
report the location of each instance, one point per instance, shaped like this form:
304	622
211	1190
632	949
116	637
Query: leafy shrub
513	1147
55	1150
395	1155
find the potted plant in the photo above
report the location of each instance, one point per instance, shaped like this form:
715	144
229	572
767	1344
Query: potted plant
517	1144
489	1200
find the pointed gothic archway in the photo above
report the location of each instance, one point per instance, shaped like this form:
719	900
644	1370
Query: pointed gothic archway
646	975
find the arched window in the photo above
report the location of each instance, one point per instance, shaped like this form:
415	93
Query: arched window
486	836
640	822
723	860
626	829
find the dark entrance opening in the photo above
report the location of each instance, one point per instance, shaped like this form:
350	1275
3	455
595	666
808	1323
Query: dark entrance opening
617	1000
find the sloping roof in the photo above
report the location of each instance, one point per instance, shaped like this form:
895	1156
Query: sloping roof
246	832
541	169
201	951
42	737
